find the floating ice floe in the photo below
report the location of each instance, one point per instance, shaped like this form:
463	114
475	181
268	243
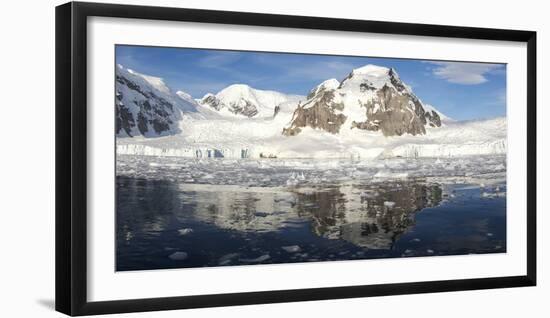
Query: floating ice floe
258	259
227	258
389	204
295	179
369	194
292	248
390	175
493	194
185	231
178	256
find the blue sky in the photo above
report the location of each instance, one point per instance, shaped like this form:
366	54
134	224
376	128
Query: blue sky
459	90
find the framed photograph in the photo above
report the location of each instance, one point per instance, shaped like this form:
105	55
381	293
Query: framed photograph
209	158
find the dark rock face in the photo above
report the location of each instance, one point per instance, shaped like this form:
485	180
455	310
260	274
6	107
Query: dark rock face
433	118
276	110
151	114
394	116
123	120
241	107
212	101
244	107
319	113
396	82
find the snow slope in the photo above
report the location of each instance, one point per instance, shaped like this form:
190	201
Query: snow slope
146	106
141	108
255	138
156	82
244	101
444	118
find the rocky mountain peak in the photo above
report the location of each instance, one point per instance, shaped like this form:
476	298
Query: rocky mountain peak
322	110
372	70
157	82
326	85
372	98
143	105
146	106
373	77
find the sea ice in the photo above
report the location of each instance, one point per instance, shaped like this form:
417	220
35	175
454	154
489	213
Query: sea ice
258	259
227	258
178	256
282	172
389	204
185	231
390	175
292	248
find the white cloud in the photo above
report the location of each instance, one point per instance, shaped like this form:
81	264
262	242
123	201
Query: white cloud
219	60
463	73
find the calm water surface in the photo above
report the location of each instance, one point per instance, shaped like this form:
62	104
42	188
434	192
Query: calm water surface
169	223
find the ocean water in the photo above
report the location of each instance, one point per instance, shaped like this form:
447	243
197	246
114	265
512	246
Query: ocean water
183	213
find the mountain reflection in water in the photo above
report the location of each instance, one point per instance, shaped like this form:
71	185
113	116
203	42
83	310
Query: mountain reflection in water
230	225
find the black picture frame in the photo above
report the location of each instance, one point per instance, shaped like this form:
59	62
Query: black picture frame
71	157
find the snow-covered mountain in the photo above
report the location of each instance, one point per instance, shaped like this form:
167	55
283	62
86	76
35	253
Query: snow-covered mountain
370	114
245	101
370	98
146	106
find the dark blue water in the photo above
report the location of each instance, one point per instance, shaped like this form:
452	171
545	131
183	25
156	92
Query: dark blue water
165	224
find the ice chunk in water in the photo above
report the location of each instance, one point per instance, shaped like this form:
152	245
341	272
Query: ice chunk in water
369	194
227	258
389	204
292	248
178	256
185	231
258	259
390	175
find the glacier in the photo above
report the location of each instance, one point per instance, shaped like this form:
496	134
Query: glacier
227	138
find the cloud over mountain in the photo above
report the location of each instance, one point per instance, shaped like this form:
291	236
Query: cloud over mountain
463	73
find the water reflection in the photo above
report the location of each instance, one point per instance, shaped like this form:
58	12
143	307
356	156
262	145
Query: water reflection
369	216
169	224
